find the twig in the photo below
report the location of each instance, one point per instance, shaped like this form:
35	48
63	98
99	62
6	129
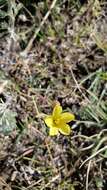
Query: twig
104	139
87	176
100	134
87	148
83	136
27	49
88	122
93	155
78	86
35	183
51	181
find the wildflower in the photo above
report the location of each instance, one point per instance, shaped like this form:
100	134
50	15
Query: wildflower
57	122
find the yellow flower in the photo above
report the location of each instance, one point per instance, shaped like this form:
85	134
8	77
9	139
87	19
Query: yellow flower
57	122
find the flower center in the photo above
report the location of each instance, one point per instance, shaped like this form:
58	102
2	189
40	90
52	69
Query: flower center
56	121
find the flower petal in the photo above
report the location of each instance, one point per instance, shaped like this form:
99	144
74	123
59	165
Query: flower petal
57	111
67	117
65	129
53	131
49	121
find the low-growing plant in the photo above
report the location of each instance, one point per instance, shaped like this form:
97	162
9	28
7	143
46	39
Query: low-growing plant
7	119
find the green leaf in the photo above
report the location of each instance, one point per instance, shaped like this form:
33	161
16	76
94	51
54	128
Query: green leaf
7	119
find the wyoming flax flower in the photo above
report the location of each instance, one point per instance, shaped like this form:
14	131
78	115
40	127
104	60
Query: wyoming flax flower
57	122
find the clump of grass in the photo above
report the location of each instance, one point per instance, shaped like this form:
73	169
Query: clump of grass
96	109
